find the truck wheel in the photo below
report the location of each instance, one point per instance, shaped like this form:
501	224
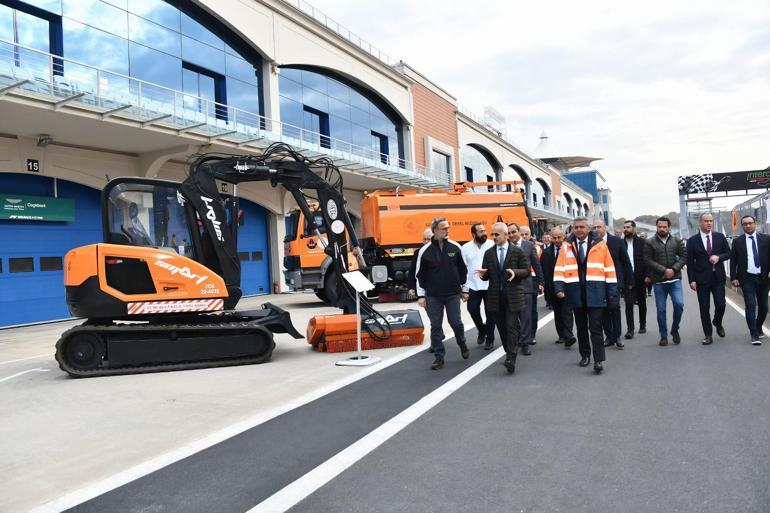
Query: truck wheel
330	288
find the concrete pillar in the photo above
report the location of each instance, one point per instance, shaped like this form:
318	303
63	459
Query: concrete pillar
276	227
270	73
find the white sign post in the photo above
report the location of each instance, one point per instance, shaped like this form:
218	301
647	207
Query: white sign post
359	282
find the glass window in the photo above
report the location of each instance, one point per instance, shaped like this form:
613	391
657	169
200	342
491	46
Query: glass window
154	36
32	32
358	100
291	112
339	90
89	45
53	6
242	95
200	85
315	99
314	80
240	69
339	109
203	55
440	162
157	11
195	30
292	74
362	136
98	14
21	265
123	4
154	66
359	117
289	88
6	23
51	263
380	125
340	128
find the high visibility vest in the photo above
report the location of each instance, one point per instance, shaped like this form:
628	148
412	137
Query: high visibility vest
600	273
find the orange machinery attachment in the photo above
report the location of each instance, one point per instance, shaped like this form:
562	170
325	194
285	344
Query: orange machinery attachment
392	224
337	333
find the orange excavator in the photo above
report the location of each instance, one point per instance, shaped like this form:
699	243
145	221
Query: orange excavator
156	303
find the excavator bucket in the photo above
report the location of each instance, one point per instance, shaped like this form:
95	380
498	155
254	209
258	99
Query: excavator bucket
337	333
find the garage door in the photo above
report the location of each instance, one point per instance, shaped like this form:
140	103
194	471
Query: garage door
32	252
253	249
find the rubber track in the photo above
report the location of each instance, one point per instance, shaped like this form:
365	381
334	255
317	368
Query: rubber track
105	330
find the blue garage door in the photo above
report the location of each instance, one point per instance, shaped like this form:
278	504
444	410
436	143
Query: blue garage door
32	252
253	249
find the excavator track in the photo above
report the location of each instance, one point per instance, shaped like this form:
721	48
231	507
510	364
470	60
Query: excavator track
93	349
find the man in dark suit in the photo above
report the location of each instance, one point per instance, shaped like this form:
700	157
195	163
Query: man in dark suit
531	287
706	252
562	312
636	289
611	319
750	270
505	265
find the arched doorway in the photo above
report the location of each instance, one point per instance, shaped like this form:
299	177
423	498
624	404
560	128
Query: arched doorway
479	165
568	203
524	177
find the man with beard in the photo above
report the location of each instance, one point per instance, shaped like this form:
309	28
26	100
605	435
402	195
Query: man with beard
664	257
636	294
473	254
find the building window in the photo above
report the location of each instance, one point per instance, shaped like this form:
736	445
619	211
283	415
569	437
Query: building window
205	88
352	118
534	199
440	163
558	205
468	174
490	188
51	263
21	265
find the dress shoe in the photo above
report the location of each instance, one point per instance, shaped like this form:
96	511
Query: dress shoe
755	340
642	330
620	345
720	330
533	342
488	346
481	338
675	337
570	342
598	367
761	334
663	341
707	340
560	341
585	361
510	364
629	335
608	343
437	363
525	350
464	350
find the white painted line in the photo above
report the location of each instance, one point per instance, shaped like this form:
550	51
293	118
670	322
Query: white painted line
292	494
100	487
743	312
22	373
27	358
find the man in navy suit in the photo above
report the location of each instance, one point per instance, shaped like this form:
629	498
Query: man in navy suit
706	252
611	317
750	270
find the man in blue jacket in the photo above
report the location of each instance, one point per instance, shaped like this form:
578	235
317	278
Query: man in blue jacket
707	251
441	275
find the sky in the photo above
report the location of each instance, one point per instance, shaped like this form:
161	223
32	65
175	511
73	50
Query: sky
657	89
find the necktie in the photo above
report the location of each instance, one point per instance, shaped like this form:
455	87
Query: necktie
502	273
501	257
708	245
754	250
582	251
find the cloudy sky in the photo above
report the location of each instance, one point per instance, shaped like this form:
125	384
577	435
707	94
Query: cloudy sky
657	88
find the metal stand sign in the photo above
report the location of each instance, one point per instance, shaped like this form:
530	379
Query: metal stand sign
359	282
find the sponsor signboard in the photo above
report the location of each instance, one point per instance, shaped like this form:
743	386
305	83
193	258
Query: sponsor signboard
720	182
36	208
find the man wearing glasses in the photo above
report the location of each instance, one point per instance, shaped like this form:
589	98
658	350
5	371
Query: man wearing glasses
750	270
504	266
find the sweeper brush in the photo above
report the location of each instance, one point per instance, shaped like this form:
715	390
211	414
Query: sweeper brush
337	333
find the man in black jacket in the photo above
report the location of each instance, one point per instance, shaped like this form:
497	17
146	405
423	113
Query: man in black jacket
611	320
505	265
636	289
441	275
706	252
750	270
562	312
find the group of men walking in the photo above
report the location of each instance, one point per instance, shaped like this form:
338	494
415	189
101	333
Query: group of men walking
583	277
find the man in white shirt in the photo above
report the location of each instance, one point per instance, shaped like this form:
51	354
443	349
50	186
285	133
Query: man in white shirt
473	254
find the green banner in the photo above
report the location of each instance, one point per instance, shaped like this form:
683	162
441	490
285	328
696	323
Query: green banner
36	208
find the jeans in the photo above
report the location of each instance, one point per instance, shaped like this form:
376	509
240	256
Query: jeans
486	328
662	291
755	291
434	306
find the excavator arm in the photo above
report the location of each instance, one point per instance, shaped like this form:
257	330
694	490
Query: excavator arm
318	180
